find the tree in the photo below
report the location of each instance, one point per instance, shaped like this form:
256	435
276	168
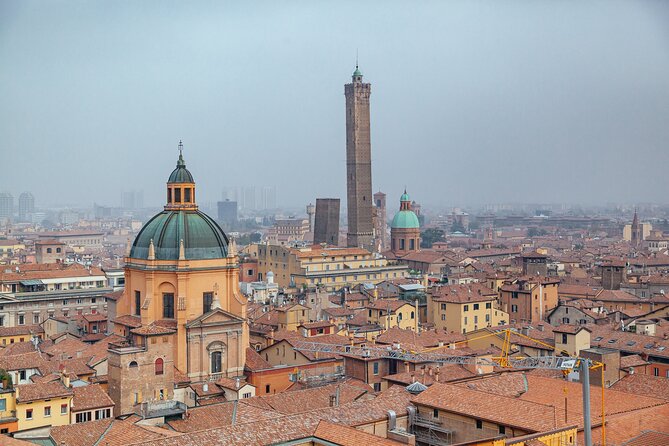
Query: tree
430	236
458	227
535	232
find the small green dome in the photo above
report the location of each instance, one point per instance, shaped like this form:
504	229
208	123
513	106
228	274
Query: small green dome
405	220
181	174
405	197
357	72
203	238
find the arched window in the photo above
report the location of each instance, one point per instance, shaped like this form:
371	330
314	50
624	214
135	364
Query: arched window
399	317
216	354
412	315
216	362
159	366
48	250
133	364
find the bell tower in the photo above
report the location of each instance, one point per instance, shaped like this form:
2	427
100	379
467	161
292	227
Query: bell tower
359	200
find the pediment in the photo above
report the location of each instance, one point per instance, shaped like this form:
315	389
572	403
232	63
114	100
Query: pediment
215	317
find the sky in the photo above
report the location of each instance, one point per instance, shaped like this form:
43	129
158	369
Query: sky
473	102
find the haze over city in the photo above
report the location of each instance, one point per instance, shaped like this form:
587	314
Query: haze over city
472	102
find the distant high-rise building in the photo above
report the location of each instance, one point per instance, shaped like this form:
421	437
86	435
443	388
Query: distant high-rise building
227	213
6	205
326	226
380	222
133	199
230	193
26	206
268	197
358	163
249	198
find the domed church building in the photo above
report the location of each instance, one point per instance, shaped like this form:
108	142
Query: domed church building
182	288
405	229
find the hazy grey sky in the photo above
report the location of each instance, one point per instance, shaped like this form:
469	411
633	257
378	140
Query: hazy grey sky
472	101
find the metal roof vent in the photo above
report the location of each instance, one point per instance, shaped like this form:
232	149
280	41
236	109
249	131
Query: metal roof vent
416	387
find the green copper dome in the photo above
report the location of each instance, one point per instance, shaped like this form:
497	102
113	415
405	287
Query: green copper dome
357	72
405	220
181	174
203	238
405	197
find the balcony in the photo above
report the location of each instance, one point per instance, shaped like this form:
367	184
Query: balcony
160	409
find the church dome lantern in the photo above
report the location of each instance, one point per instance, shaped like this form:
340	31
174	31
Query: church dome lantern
181	231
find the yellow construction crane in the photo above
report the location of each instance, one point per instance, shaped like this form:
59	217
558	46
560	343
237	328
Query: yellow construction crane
563	362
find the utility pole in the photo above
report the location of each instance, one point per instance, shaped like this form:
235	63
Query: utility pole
585	379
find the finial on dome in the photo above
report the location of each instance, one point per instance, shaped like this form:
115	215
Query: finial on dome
182	251
232	248
152	251
181	161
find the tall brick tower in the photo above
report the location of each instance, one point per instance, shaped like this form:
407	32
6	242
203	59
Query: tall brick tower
358	164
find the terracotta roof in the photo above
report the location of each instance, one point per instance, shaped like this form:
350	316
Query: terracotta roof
349	436
570	329
649	438
152	330
108	432
32	360
329	252
388	304
577	290
317	324
114	295
624	296
632	361
277	429
525	415
254	361
129	321
308	400
94	317
219	415
426	338
88	397
462	294
21	330
628	425
67	348
646	385
17	348
54	271
41	391
181	378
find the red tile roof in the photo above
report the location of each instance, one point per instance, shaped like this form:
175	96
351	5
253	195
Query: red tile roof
90	397
41	391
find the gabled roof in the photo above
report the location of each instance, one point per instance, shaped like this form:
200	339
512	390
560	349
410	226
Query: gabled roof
90	397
